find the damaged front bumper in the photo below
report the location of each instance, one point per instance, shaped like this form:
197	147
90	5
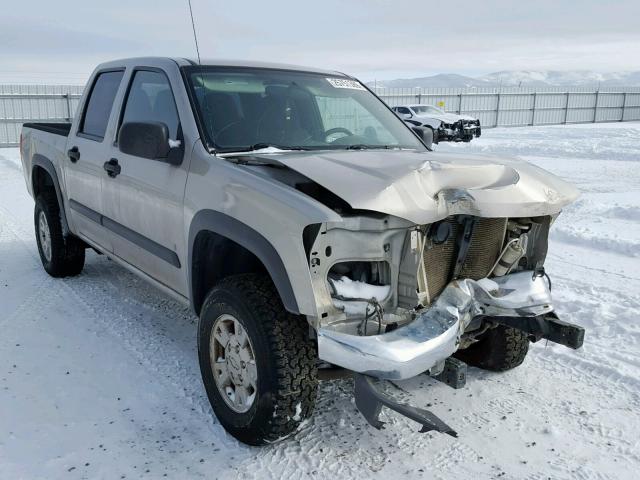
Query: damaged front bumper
434	334
460	131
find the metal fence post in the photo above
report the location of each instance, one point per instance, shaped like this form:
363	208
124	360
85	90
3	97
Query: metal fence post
459	103
566	108
595	108
624	105
497	110
68	98
533	110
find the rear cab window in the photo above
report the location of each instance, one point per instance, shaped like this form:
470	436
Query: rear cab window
99	105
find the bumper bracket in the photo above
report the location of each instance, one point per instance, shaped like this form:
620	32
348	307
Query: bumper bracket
547	326
370	401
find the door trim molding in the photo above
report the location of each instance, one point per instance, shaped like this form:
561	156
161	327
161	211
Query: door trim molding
132	236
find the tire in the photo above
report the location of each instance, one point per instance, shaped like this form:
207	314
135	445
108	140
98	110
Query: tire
61	256
499	349
284	358
434	134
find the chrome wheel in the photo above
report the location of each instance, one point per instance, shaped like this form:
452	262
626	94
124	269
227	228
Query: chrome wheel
44	235
233	363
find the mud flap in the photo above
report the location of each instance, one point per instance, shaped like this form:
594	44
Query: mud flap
370	401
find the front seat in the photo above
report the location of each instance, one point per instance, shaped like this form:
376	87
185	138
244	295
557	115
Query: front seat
224	120
280	122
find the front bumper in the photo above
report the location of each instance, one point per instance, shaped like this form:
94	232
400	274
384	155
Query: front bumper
460	131
435	333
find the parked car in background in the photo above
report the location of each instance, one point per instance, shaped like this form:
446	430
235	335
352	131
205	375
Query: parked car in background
448	127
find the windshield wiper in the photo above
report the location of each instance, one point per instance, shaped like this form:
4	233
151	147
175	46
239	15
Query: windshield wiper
362	146
357	146
256	147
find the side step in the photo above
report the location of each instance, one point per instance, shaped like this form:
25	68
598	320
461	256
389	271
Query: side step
370	401
547	326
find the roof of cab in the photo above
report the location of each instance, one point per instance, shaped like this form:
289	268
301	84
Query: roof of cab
184	62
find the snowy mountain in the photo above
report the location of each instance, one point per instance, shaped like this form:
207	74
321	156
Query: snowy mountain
524	78
440	80
559	78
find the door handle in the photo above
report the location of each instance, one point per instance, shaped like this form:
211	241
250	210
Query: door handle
112	168
74	154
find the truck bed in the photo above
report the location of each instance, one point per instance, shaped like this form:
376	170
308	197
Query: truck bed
62	128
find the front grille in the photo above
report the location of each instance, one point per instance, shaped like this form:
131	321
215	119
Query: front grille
486	243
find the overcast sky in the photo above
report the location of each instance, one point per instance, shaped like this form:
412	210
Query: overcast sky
62	41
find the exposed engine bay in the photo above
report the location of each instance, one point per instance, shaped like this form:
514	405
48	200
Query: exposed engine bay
388	271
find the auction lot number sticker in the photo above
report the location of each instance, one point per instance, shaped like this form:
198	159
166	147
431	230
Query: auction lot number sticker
345	83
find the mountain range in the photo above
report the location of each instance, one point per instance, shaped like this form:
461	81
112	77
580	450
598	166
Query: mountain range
523	78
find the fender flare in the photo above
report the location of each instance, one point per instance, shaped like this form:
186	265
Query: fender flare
43	162
245	236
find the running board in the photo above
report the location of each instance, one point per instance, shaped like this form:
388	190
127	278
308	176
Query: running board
547	326
370	401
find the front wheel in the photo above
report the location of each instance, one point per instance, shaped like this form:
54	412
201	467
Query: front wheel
434	134
258	362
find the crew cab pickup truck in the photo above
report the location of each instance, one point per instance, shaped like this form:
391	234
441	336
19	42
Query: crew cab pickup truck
307	226
445	126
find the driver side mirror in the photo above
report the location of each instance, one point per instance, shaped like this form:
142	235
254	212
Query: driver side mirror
148	140
425	134
407	116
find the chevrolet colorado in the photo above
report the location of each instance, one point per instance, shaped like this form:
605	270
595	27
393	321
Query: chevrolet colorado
307	226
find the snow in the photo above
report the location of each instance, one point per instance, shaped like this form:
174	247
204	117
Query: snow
347	288
99	375
296	416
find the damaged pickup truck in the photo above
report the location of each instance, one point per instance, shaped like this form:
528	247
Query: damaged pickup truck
306	225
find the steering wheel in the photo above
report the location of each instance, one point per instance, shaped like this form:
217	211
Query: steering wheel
224	129
332	131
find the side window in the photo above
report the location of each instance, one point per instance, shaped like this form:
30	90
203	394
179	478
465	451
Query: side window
150	100
98	109
403	110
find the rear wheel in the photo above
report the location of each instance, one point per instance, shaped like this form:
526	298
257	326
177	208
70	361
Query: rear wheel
61	256
499	349
257	361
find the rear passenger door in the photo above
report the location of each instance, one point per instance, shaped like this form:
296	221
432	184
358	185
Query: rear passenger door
144	202
88	151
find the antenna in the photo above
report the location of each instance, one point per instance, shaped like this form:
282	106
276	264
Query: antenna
195	37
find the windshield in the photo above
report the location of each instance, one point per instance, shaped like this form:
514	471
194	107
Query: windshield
243	109
426	109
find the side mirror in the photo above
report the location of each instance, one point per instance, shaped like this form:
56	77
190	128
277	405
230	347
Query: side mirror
425	134
407	116
147	140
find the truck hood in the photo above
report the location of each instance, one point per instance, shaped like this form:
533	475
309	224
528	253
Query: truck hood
424	187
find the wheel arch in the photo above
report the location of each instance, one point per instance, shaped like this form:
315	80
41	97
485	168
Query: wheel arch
43	177
220	246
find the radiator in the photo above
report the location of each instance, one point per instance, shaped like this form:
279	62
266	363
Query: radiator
439	260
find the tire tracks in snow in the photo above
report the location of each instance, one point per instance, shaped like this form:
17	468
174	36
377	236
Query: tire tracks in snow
146	337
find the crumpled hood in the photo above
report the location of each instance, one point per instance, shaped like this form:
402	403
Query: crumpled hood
424	187
445	117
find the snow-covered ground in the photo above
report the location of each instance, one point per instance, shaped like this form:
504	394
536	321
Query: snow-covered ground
99	375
